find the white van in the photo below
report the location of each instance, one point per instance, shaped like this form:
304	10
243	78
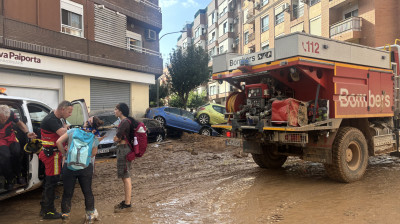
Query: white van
32	112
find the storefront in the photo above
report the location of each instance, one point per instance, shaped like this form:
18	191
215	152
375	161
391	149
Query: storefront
52	80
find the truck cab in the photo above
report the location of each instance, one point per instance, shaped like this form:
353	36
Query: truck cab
32	112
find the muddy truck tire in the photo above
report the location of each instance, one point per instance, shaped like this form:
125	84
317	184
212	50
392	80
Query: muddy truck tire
349	156
269	160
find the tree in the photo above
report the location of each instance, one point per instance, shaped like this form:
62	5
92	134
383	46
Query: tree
196	100
188	69
162	91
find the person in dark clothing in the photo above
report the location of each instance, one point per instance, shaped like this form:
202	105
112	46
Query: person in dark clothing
123	165
10	150
51	129
84	175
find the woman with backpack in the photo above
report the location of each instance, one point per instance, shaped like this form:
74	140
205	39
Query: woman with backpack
82	146
124	130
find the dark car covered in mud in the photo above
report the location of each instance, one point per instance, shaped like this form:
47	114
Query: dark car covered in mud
155	131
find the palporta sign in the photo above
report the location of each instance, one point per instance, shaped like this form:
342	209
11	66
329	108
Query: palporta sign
252	59
18	58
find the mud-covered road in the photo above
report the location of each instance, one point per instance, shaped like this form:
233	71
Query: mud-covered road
198	180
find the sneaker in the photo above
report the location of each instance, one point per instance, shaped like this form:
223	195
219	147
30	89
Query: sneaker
52	215
119	204
123	208
91	216
65	218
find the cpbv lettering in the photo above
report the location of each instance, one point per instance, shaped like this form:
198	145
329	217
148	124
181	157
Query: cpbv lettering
360	100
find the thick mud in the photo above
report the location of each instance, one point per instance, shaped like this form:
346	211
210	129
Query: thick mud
198	180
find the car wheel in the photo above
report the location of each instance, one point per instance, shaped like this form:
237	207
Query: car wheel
159	138
204	119
161	120
205	131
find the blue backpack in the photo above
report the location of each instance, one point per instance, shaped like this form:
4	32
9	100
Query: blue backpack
80	150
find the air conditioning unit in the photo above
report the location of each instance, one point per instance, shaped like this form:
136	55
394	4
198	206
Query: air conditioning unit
257	5
285	6
151	34
233	45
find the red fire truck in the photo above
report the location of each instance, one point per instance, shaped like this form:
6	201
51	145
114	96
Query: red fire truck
315	98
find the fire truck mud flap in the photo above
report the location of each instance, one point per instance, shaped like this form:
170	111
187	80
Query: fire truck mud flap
252	147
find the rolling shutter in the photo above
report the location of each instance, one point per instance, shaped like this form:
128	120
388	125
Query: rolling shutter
109	27
106	94
47	88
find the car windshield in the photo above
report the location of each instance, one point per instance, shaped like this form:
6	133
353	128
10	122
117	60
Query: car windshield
109	120
107	116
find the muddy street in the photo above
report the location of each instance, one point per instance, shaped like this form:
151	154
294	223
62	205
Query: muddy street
198	180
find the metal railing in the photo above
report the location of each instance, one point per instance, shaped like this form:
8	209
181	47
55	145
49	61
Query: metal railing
142	50
352	23
298	12
150	4
71	30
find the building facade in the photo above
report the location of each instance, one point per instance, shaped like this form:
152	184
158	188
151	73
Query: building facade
104	51
246	26
367	22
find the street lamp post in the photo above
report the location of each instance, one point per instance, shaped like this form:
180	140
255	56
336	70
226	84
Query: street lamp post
158	79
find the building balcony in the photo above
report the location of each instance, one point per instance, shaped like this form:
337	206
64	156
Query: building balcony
250	40
337	3
212	43
250	18
199	38
212	27
347	30
141	10
226	36
225	16
56	44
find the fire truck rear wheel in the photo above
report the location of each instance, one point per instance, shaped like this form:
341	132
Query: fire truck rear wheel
269	160
349	156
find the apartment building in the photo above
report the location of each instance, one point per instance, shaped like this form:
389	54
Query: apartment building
368	22
186	38
224	29
199	28
104	51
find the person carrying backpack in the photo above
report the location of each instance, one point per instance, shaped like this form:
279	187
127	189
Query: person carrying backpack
82	146
123	165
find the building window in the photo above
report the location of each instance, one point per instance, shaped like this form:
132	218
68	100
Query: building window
225	28
221	49
212	37
353	13
280	18
230	27
264	2
265	45
212	18
264	24
134	44
225	10
197	32
246	37
313	2
298	9
71	18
